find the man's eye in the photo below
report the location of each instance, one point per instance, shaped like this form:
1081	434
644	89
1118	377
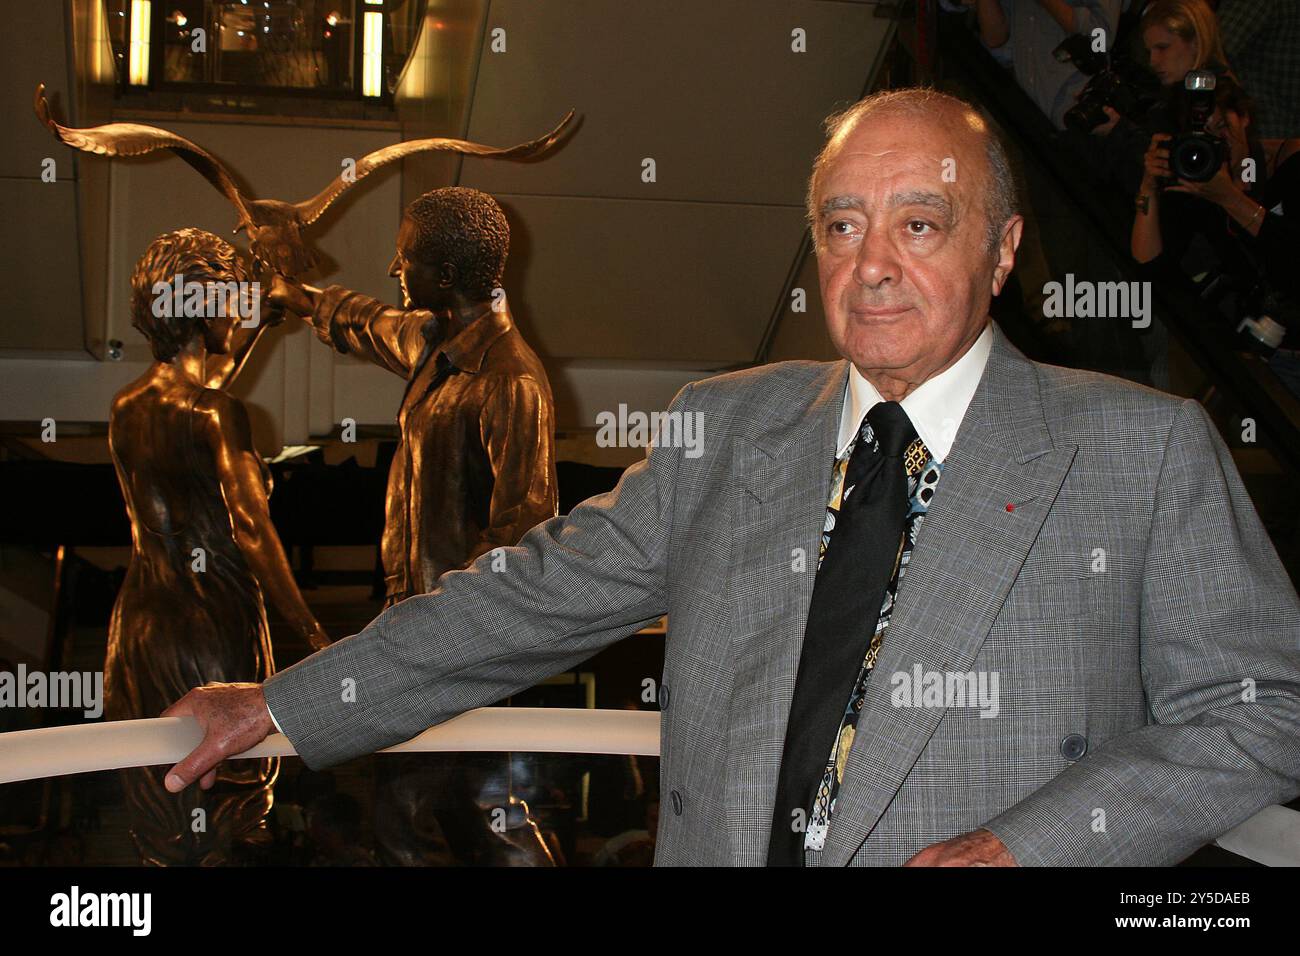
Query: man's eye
919	227
835	231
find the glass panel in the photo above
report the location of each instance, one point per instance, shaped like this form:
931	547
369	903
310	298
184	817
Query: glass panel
427	809
288	44
181	64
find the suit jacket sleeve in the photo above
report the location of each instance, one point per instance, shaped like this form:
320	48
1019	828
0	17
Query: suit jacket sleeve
517	428
388	336
1220	651
572	586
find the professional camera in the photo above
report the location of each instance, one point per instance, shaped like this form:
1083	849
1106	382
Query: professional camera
1194	154
1256	309
1266	315
1116	84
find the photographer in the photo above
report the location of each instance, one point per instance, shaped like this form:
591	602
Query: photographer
1031	30
1177	36
1230	232
1181	36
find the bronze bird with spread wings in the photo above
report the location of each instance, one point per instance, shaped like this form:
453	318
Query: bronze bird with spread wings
274	228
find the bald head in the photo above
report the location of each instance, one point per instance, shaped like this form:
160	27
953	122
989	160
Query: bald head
931	110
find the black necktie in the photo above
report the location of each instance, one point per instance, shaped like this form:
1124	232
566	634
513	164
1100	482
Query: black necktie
847	597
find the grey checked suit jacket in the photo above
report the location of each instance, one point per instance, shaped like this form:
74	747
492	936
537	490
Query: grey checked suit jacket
1174	672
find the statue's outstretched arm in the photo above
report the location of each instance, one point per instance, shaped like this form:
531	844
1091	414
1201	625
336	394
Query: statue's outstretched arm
357	324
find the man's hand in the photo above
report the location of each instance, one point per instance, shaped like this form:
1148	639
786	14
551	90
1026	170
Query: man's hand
1112	120
978	848
287	294
234	718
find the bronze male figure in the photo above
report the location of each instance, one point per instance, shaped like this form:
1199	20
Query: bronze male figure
474	470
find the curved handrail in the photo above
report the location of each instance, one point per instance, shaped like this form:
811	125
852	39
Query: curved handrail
113	745
1271	837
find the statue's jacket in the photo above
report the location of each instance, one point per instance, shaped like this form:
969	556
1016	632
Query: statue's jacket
475	464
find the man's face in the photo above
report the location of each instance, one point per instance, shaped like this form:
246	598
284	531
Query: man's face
906	276
419	280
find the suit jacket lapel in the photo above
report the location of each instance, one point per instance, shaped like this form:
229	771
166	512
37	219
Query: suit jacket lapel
779	507
965	560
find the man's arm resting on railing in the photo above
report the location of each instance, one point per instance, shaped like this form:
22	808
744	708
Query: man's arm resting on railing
1220	631
572	586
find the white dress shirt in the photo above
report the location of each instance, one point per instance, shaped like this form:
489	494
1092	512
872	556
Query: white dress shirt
935	407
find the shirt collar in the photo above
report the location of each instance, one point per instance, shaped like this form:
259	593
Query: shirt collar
936	406
466	349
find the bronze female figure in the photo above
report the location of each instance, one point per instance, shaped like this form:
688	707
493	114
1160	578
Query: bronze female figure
204	551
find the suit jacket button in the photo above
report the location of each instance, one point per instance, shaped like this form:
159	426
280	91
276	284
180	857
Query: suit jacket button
1074	746
663	696
677	802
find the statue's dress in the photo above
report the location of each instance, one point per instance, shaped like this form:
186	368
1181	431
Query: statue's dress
189	612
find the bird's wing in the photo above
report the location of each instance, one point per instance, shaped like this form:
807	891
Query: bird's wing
311	209
133	139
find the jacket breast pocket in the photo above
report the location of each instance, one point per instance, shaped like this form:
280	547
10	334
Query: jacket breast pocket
1061	597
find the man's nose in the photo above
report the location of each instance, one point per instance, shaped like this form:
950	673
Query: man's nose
395	267
877	260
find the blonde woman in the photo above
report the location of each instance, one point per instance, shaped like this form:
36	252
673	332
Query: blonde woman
1181	36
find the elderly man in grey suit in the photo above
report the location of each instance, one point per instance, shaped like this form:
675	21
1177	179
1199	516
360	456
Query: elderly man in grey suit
934	603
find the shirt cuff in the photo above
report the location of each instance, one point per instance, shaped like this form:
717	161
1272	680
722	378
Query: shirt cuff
324	320
273	720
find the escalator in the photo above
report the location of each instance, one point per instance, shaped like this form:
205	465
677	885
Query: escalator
1083	227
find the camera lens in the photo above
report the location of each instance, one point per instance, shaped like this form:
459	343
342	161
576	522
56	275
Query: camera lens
1194	158
1085	116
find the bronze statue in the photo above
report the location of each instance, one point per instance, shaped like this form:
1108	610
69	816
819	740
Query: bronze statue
475	464
274	228
204	551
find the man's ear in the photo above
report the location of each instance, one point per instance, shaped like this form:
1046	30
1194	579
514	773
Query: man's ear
447	275
1006	253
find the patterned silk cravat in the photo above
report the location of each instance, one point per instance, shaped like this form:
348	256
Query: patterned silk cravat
852	582
923	473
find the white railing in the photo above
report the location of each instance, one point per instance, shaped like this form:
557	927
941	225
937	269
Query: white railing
1271	837
115	744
